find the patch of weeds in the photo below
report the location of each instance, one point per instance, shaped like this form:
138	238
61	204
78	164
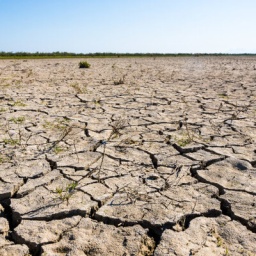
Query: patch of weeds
97	101
19	104
4	159
189	135
56	124
184	141
48	125
58	149
18	120
66	119
84	64
59	191
78	88
11	142
5	85
18	82
223	95
200	137
116	127
219	241
30	72
128	141
120	81
4	82
115	132
2	110
65	193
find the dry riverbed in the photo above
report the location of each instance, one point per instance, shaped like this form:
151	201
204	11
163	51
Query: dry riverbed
133	156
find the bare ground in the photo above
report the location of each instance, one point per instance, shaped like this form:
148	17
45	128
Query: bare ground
135	156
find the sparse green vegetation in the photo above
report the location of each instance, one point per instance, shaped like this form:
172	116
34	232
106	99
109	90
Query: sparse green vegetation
226	252
78	88
55	125
184	141
40	55
223	95
11	141
58	149
5	85
97	101
19	104
18	120
3	159
84	64
65	193
219	241
120	81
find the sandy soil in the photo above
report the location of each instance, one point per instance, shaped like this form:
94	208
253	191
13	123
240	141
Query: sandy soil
135	156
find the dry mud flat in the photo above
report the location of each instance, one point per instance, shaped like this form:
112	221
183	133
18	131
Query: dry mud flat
129	157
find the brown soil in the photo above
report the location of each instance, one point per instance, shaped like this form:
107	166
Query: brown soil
133	156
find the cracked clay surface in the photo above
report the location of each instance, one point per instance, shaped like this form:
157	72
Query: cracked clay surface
133	156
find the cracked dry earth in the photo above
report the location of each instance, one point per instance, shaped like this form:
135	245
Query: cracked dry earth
135	156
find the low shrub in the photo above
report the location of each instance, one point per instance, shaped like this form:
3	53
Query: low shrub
84	64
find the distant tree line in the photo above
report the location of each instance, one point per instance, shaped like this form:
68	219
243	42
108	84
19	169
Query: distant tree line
108	54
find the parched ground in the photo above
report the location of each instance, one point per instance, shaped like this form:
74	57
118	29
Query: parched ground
133	156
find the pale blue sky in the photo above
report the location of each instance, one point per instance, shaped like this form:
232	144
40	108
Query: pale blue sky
164	26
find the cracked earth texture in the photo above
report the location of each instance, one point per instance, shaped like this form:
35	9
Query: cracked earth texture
133	156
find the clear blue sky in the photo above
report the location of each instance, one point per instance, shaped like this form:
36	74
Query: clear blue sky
164	26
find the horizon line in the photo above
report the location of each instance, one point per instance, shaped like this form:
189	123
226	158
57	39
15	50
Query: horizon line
5	53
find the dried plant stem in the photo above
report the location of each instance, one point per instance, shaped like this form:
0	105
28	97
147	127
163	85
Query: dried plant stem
102	159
